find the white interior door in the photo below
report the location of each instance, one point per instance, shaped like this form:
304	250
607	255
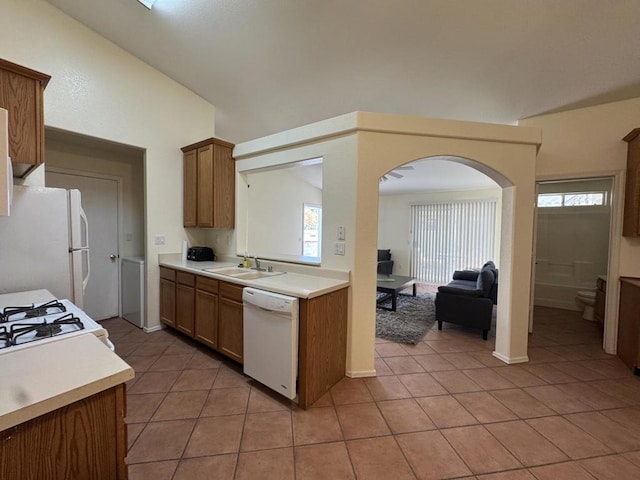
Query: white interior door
100	203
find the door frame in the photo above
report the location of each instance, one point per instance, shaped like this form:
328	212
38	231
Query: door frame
610	332
119	211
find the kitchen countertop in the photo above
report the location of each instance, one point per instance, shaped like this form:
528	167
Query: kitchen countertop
36	381
25	298
294	284
631	281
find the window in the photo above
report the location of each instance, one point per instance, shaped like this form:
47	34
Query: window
575	199
311	230
451	236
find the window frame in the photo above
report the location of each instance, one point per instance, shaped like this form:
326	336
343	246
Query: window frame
312	206
565	195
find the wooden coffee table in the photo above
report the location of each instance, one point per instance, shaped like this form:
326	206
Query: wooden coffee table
391	285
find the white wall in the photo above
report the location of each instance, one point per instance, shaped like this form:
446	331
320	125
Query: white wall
99	90
275	201
360	147
587	142
394	220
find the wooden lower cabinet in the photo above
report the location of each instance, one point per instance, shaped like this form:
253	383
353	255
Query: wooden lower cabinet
84	440
207	318
185	309
185	302
322	347
167	296
629	323
230	327
211	311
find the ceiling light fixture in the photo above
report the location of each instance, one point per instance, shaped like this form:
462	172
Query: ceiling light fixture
147	3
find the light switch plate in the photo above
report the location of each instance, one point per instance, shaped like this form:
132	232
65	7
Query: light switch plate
158	240
338	248
341	234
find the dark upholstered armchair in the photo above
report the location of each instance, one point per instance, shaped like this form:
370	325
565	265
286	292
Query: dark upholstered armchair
469	298
385	264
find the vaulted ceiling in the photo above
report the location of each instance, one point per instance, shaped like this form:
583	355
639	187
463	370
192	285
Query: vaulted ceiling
272	65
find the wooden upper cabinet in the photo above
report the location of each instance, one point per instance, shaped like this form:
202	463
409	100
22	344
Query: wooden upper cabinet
21	93
190	188
205	187
209	184
631	220
224	192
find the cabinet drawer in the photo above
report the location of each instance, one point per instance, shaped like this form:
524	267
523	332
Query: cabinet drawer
186	278
168	274
207	284
231	291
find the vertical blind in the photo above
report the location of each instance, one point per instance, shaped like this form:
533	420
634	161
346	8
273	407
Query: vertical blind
451	236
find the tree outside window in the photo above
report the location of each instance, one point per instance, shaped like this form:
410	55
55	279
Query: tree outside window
311	230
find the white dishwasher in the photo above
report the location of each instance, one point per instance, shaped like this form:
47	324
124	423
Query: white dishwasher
270	353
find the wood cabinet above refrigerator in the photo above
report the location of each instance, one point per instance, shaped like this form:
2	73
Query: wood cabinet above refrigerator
209	184
21	93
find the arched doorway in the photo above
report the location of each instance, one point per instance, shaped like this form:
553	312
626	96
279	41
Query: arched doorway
359	147
439	185
436	186
511	166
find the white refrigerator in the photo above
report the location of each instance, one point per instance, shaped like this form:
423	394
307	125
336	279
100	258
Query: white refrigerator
44	243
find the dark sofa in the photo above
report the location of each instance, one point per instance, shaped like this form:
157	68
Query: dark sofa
469	298
385	264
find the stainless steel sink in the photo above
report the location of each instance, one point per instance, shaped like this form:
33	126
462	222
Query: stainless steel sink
255	275
243	273
227	270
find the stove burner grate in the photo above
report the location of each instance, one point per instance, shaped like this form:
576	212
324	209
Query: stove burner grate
32	311
47	330
5	337
43	329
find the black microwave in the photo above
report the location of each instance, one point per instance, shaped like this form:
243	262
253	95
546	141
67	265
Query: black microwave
200	254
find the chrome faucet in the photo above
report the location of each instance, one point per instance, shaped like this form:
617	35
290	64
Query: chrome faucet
257	267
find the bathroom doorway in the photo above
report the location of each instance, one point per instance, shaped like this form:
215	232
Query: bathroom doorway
573	230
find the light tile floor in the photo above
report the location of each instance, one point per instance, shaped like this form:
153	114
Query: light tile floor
445	408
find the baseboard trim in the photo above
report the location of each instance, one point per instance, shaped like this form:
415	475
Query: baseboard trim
361	373
152	329
511	360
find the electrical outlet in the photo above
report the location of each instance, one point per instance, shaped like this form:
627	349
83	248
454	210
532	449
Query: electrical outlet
341	233
159	240
338	248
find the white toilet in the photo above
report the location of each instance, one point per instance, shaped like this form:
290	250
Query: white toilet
586	299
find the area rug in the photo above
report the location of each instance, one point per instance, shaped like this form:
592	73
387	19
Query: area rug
413	318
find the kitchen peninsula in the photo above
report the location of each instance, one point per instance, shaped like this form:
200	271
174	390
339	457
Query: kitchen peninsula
208	307
62	411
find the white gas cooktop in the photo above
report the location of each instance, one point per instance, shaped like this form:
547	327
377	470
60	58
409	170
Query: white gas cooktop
29	319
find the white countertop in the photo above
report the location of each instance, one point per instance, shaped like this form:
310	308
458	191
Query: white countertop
25	298
36	381
294	284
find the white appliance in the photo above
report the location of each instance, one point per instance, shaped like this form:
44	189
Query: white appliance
6	172
45	244
29	319
270	322
132	290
